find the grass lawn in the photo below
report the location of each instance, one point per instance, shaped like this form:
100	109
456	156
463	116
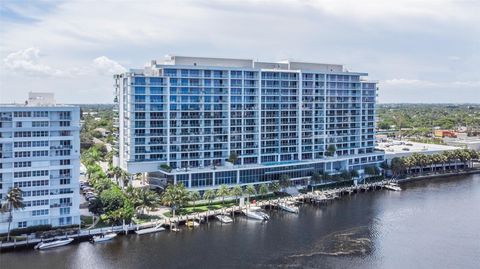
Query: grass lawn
144	218
201	208
86	221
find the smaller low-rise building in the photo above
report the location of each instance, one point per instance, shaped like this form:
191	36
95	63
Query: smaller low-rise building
445	133
397	148
471	142
400	149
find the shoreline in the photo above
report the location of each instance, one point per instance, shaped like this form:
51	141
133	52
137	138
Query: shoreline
85	235
439	175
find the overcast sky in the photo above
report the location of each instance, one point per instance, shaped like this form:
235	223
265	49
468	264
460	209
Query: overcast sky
419	50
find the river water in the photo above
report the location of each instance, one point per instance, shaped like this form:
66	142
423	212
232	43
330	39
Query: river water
431	224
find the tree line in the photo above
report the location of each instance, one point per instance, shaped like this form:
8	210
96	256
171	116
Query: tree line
407	165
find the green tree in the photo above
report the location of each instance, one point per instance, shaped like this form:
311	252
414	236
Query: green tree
175	196
112	199
345	175
237	192
147	199
209	195
263	190
315	179
397	166
194	197
96	207
233	158
331	149
274	187
370	170
222	192
284	181
250	191
12	201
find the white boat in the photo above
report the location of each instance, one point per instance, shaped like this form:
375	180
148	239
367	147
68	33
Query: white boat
224	218
54	243
103	237
155	229
192	223
256	213
289	207
174	229
393	187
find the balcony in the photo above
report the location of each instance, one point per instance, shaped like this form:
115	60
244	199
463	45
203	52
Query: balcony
60	205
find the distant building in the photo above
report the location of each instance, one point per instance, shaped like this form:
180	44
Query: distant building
102	131
445	133
472	142
180	120
397	148
40	154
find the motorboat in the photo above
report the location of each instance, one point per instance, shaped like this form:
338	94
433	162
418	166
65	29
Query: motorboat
224	218
175	229
289	207
392	186
157	228
103	237
192	223
53	243
256	213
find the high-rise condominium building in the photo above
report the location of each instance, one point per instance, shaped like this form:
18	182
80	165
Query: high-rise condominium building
40	154
184	119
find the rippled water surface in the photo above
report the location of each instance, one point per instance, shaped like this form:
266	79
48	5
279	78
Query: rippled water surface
431	224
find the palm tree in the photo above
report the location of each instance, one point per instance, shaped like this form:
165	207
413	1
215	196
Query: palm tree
263	190
428	161
147	199
209	195
331	149
441	158
233	158
194	197
250	190
315	179
284	181
448	156
237	192
115	172
13	201
274	187
370	170
223	191
175	196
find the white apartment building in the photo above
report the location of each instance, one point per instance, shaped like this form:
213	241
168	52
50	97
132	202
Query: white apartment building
40	154
180	120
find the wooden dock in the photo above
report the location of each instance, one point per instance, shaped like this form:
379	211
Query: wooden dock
323	197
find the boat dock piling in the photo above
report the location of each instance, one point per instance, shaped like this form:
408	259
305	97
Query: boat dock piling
323	197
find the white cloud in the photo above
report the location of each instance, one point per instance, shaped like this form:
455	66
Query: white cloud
27	62
454	58
105	66
387	39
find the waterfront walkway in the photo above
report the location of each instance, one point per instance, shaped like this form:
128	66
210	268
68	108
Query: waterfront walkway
315	197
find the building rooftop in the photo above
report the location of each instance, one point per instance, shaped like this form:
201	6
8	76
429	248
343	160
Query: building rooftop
397	148
247	63
37	99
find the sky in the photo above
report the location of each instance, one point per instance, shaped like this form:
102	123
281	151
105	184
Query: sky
420	51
